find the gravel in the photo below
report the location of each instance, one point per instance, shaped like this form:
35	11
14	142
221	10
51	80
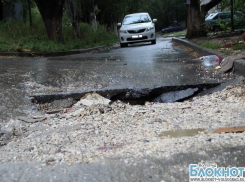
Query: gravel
84	134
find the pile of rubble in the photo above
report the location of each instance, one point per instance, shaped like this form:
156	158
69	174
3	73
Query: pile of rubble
95	129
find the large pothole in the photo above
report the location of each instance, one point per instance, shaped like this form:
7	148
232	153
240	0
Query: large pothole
167	94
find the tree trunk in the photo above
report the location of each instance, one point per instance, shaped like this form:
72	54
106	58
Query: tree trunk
72	9
195	20
91	12
1	11
196	26
51	12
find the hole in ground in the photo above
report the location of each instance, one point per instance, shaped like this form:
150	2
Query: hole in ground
170	94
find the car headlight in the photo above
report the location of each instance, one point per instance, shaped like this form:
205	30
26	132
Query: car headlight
123	31
150	28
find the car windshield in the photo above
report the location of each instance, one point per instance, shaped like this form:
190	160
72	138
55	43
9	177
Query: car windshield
211	16
132	19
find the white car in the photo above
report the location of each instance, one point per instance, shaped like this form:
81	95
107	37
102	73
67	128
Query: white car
137	27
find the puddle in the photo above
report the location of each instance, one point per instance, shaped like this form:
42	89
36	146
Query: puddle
181	133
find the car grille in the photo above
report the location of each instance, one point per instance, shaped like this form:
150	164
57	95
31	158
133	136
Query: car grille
133	31
143	38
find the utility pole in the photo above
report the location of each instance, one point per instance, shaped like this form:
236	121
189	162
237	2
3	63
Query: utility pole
232	16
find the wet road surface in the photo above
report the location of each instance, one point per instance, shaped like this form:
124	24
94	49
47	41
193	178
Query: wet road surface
144	66
171	169
163	64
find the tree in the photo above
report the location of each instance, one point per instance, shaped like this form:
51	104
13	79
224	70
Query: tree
1	10
27	4
196	26
51	12
240	6
111	12
167	12
73	10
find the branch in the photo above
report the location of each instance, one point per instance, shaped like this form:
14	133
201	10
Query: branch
211	4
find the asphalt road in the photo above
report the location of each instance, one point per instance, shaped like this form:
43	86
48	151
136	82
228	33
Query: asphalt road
172	169
138	66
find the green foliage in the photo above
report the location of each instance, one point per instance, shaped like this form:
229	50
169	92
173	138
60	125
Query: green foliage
209	45
226	52
238	47
240	6
224	5
18	36
225	25
166	11
96	10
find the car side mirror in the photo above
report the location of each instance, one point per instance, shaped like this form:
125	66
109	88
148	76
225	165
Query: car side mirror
119	24
154	20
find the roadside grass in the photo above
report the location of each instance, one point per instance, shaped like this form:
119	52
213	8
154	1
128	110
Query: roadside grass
238	47
227	38
231	45
209	45
17	36
176	34
226	52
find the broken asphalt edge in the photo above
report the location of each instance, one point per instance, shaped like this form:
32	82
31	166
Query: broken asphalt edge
52	54
202	51
119	94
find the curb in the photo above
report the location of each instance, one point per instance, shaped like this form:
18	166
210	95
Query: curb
202	51
52	54
239	65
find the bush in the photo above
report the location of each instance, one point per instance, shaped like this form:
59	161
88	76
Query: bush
225	25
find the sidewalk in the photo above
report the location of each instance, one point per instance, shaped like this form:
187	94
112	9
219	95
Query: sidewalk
238	64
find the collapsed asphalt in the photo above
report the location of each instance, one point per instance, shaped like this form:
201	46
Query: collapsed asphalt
138	66
141	67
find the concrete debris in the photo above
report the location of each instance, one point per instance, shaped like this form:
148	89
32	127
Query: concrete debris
228	62
175	96
54	111
93	134
30	119
3	133
5	137
78	112
93	99
236	129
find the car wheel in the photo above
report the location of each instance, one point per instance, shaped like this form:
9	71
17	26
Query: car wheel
153	41
123	45
216	29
